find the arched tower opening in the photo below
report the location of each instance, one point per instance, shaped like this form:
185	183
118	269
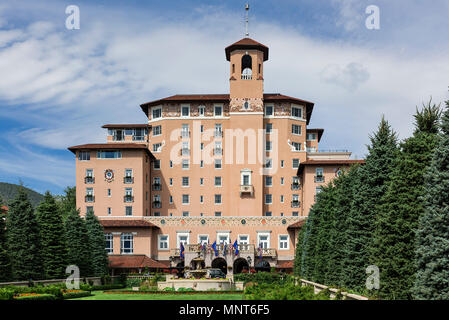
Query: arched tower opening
247	63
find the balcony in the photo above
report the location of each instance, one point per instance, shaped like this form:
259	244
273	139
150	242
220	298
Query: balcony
175	252
296	186
246	188
89	180
185	152
319	179
246	248
247	76
128	180
267	252
218	151
89	198
157	204
185	134
295	204
128	198
157	187
218	134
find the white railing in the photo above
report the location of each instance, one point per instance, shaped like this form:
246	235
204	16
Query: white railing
247	76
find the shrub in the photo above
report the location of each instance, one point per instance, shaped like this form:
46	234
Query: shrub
107	287
169	289
283	292
133	282
122	278
76	294
185	289
30	296
6	294
264	277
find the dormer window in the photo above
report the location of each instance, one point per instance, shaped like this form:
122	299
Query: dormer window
247	67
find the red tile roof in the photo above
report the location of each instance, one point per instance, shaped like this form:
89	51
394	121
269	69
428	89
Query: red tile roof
135	223
111	146
134	261
268	97
4	209
139	125
246	43
288	264
297	225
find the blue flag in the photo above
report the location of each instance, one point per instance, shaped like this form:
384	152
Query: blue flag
236	247
214	246
182	251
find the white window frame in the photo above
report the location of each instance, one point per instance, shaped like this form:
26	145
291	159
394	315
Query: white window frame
122	241
215	181
244	172
182	182
266	195
215	164
295	106
223	234
182	199
268	234
109	238
159	242
239	241
204	241
160	131
180	234
266	184
188	164
300	129
266	126
287	241
215	199
265	110
311	134
152	112
203	113
221	106
293	163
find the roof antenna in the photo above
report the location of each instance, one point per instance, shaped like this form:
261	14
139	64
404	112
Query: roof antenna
246	9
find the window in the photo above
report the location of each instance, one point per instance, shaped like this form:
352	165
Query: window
89	208
295	213
268	214
185	111
295	183
201	128
268	163
109	211
282	181
128	211
171	164
185	199
157	131
217	163
109	154
296	146
129	195
118	135
218	130
182	238
311	136
268	181
185	181
157	214
185	131
218	181
268	146
297	112
201	199
185	213
157	201
89	195
163	241
109	192
201	110
245	177
203	239
185	151
282	163
243	239
263	240
218	199
128	176
185	164
157	112
319	172
296	129
218	213
170	199
140	134
201	164
295	163
109	243
295	201
157	164
268	111
202	146
268	199
84	155
317	190
218	110
283	242
126	243
246	105
157	147
282	199
170	181
157	186
89	178
269	128
201	181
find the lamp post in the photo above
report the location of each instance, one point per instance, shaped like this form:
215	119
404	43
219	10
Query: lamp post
249	260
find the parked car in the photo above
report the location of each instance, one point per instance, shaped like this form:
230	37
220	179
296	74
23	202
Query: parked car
215	273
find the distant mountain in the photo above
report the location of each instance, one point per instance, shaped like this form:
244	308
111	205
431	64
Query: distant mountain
8	192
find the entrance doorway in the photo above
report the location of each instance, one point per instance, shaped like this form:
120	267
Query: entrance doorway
221	264
240	264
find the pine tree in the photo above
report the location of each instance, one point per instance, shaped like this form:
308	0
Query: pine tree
5	266
23	239
54	251
369	187
394	239
432	244
97	245
78	248
68	201
297	265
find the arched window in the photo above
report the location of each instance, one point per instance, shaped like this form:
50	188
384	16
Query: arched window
247	67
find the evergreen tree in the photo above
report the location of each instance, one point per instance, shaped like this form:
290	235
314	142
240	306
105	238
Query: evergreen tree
432	244
369	187
54	251
23	239
97	245
394	239
5	266
297	265
78	248
68	201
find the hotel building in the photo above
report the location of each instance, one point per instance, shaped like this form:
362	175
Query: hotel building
209	168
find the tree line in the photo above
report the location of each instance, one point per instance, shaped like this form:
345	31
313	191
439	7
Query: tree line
40	243
391	212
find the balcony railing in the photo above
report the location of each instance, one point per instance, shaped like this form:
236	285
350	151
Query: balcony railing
157	186
89	180
128	180
175	252
247	76
185	152
218	134
244	188
128	198
296	186
185	134
319	178
89	198
267	252
295	204
157	204
138	138
246	248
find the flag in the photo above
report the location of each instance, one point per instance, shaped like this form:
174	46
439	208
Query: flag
214	247
224	248
260	250
236	247
182	251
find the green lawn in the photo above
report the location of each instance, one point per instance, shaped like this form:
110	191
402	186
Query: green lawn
100	295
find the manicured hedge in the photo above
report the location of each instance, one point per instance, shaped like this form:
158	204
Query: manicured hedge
170	292
264	277
284	292
80	294
44	296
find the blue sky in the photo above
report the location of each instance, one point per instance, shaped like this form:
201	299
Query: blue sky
58	86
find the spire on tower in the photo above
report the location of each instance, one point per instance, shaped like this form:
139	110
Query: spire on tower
246	21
